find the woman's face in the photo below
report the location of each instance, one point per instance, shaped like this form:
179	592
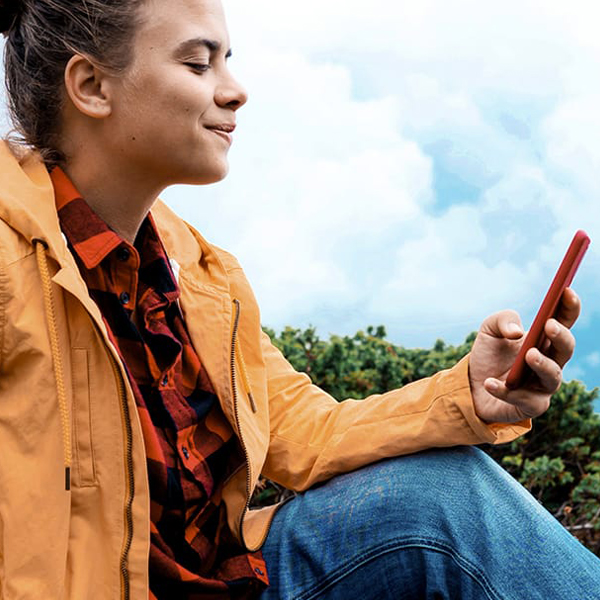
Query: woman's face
174	109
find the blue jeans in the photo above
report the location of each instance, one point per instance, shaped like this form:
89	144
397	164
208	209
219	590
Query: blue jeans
440	524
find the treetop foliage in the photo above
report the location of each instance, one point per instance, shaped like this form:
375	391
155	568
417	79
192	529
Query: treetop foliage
364	364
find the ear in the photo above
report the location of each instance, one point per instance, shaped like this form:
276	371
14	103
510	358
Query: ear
87	87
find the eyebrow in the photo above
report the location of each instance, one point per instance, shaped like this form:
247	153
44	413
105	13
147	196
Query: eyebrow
194	43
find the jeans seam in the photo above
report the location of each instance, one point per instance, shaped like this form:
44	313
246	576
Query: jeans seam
355	563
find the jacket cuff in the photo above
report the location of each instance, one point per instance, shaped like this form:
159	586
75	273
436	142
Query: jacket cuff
490	433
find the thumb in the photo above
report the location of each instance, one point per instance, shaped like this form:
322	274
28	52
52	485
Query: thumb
504	324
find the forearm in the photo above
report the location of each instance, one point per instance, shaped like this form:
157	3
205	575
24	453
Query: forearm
313	437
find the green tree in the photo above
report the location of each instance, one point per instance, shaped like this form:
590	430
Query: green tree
363	364
559	461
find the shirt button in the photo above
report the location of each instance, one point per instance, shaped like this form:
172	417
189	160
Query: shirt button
165	380
123	253
185	452
124	298
257	570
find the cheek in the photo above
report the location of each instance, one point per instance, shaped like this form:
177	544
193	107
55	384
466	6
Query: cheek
163	111
187	96
180	112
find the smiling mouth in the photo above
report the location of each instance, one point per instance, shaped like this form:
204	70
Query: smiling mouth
224	131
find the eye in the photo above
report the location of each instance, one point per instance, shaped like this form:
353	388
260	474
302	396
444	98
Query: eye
198	67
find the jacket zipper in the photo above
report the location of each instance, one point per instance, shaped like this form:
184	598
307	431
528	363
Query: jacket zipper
123	565
234	331
126	594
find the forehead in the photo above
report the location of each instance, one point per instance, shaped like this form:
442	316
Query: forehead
167	23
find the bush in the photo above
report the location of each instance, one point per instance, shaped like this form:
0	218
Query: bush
558	461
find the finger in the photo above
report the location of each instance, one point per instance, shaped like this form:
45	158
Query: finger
548	372
496	388
503	324
562	342
568	308
509	324
526	404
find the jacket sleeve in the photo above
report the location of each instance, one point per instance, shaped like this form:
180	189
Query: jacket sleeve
314	437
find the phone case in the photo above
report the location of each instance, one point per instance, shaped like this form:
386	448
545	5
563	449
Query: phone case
563	278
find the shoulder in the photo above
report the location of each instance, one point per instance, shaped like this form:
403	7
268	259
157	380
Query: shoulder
186	244
13	246
202	263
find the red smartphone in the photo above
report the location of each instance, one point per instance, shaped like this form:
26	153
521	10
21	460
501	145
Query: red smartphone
520	371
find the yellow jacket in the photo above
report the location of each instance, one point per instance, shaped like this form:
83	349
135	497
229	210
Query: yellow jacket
65	401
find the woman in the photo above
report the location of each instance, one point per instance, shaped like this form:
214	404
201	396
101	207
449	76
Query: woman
139	400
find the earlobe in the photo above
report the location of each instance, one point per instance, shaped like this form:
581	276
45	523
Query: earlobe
86	87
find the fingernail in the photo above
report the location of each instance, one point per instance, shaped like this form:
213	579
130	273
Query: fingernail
553	329
492	385
514	328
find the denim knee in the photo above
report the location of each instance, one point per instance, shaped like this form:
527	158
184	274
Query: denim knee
447	517
435	475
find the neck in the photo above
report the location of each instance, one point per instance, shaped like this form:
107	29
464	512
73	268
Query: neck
118	195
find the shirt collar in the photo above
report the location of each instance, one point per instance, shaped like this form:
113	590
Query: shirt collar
89	236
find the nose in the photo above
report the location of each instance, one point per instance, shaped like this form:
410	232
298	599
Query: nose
230	94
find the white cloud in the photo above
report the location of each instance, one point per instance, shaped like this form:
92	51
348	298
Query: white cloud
573	371
572	142
593	359
331	204
313	184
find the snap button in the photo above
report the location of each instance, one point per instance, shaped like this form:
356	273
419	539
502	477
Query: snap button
123	253
124	298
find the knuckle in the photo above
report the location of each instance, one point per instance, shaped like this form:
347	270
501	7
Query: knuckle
554	379
565	335
541	406
556	370
558	376
511	314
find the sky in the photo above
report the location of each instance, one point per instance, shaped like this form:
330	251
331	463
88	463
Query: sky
419	165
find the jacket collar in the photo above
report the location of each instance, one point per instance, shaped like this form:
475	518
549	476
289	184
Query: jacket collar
27	201
27	204
97	240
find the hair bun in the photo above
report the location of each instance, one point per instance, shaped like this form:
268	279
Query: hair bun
9	11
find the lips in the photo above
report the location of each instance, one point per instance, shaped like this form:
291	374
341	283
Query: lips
224	130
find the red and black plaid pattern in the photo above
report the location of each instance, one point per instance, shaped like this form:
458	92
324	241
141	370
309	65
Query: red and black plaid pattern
190	446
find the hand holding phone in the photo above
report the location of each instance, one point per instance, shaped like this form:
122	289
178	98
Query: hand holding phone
520	371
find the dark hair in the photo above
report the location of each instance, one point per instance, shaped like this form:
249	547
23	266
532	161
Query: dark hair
41	37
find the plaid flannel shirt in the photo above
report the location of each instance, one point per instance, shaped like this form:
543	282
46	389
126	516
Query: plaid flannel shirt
190	446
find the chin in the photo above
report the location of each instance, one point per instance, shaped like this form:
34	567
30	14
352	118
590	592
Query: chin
205	176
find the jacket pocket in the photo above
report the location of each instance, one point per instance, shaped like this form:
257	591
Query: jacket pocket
84	466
